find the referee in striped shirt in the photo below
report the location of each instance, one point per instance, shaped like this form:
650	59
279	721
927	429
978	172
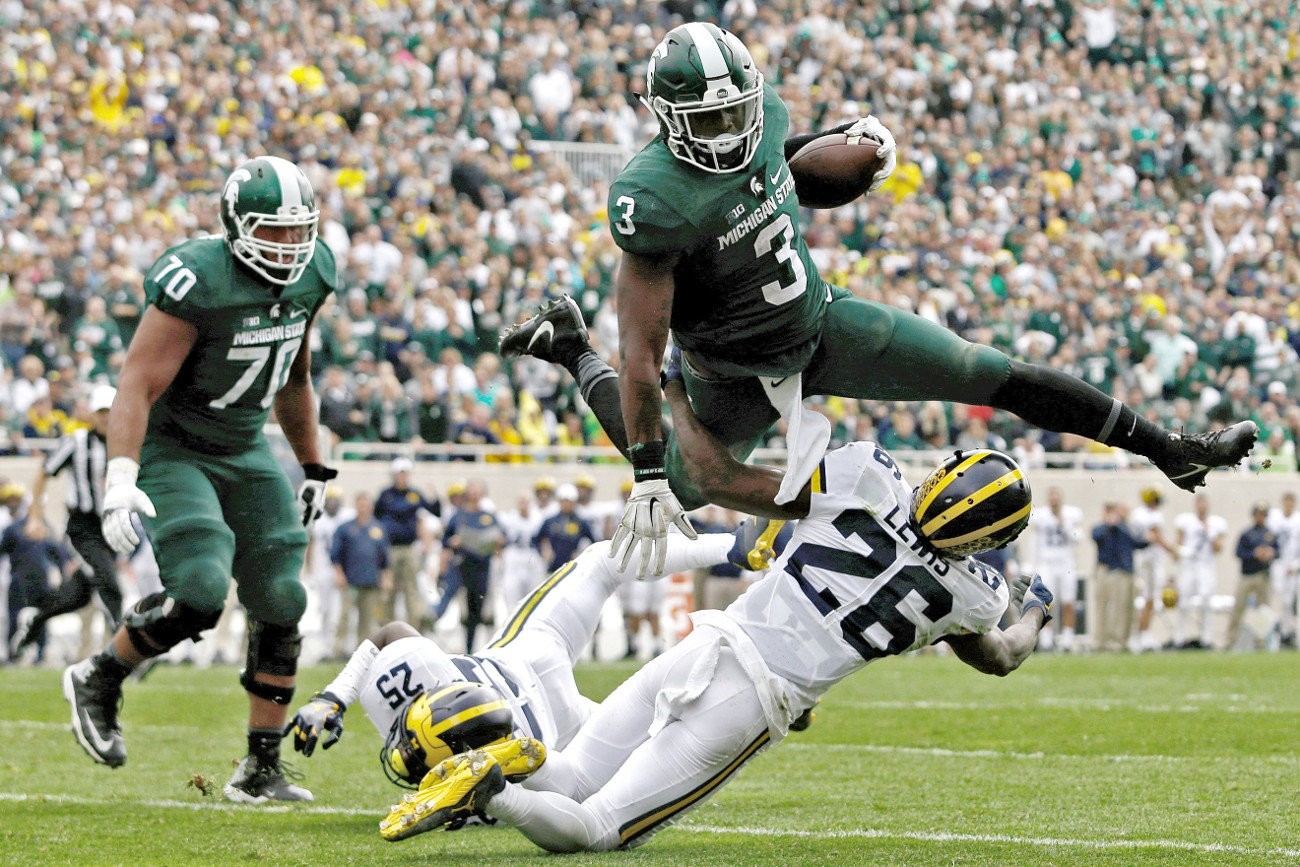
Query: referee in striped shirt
84	455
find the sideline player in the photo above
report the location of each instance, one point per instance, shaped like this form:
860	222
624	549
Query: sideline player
1149	563
1200	538
873	570
707	217
1055	532
224	339
396	673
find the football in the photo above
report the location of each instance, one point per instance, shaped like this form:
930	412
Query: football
832	170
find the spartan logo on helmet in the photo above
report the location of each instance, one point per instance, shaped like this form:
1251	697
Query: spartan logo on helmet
269	218
974	501
702	85
436	725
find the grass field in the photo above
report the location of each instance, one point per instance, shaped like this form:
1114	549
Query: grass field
1160	759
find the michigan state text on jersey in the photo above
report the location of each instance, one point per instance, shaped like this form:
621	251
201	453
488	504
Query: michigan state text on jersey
220	343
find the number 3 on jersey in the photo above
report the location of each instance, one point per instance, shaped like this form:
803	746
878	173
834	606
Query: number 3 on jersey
779	292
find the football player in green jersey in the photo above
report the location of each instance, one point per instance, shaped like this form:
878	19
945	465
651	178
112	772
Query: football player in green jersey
222	341
707	218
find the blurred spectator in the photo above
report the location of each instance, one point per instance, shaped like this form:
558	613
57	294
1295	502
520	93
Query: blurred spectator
1116	544
33	554
362	571
1199	541
561	536
325	598
1284	572
1054	532
472	537
1150	562
522	566
1257	549
398	510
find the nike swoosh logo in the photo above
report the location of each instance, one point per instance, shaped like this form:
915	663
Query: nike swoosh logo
296	312
776	178
1197	468
546	328
776	383
101	746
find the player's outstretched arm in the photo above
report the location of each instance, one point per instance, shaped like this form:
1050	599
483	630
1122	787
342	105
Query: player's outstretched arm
1000	651
720	477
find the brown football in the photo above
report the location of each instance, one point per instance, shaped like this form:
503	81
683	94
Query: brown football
829	171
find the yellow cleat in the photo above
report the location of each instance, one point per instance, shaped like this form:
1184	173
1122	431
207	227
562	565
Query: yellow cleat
519	758
455	789
761	554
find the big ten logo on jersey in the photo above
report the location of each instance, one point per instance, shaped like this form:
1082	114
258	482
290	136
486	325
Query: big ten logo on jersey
253	345
782	189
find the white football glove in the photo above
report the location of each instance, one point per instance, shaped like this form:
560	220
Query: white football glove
886	148
311	493
121	499
649	510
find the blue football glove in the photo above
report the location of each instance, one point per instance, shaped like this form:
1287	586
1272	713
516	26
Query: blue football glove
1038	597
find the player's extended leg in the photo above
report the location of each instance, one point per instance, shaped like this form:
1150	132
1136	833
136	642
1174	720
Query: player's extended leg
271	542
553	624
870	350
195	549
642	781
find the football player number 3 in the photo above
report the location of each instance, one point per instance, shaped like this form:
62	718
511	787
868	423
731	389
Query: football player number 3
779	234
256	357
624	225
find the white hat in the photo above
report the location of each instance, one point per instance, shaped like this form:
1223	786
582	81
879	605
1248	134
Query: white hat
402	465
567	492
101	397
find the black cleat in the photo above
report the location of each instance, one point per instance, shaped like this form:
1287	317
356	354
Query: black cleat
556	333
1189	457
256	783
95	700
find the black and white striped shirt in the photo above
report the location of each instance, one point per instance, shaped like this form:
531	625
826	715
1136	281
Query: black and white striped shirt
87	454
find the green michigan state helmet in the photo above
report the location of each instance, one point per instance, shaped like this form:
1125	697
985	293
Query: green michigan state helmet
974	501
438	724
269	218
703	86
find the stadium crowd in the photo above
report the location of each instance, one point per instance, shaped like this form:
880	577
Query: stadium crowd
1111	187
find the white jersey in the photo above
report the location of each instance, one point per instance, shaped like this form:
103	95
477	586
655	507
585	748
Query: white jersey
1142	520
1054	536
409	666
601	515
854	583
520	529
1197	545
1287	530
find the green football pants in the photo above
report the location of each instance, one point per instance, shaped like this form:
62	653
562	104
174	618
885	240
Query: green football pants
224	516
866	350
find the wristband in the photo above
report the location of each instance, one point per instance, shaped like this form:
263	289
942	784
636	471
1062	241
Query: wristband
647	461
1035	602
329	696
319	472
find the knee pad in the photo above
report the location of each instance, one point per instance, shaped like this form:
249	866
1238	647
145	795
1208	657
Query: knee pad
158	623
272	649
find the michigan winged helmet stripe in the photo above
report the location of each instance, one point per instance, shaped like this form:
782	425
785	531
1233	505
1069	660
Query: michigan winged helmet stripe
972	502
436	725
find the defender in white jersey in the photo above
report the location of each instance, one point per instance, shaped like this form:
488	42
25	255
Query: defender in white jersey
1199	539
529	662
1148	522
1054	531
1284	572
861	578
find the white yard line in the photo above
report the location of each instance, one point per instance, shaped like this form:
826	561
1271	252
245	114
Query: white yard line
1240	705
860	833
940	752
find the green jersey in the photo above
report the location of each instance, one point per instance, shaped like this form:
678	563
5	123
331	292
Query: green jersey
746	290
248	338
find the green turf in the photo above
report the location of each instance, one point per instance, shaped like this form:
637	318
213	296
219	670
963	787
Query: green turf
1160	759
